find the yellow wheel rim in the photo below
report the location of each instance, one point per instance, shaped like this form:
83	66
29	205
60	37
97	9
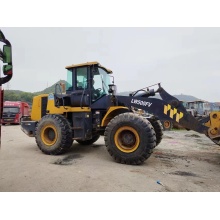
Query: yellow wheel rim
127	139
49	135
166	124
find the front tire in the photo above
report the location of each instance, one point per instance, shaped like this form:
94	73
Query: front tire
53	134
130	139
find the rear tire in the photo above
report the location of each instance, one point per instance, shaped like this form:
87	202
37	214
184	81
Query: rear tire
158	128
53	134
167	125
89	142
130	139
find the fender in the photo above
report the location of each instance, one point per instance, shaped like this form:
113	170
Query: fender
112	112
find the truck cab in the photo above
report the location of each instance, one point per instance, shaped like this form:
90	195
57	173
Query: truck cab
14	111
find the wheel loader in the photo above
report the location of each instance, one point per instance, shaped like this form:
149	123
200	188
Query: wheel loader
89	107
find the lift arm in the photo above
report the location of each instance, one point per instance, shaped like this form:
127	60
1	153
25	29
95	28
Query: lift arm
170	108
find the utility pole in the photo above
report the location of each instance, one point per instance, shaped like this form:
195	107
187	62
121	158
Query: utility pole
8	86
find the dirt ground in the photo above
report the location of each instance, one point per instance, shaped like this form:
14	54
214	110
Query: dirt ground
185	161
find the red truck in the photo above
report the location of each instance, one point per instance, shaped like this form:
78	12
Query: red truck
13	111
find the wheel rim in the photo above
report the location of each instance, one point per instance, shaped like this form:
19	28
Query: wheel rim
127	139
49	135
166	124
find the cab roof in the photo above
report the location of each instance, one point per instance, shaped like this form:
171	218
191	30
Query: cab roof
88	64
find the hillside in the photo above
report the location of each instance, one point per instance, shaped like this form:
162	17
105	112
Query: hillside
50	89
186	98
17	95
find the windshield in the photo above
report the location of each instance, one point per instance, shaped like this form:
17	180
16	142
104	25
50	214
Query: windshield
10	110
101	80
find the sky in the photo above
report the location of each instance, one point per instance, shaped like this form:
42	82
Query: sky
176	43
183	60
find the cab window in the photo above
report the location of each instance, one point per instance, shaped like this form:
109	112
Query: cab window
81	78
69	80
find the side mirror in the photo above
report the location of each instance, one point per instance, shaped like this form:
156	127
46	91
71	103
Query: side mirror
1	55
7	55
7	70
63	87
2	37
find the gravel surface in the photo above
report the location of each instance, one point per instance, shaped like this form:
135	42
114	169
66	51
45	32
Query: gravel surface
185	161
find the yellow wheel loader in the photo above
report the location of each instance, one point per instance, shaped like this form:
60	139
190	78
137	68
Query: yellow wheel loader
89	107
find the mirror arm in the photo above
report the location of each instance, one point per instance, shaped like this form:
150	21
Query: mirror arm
5	79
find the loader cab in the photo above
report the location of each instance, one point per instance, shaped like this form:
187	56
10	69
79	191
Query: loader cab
88	80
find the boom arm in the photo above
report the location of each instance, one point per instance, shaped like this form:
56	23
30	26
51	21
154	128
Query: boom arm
170	108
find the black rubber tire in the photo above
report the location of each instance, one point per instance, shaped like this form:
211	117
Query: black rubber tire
89	142
136	129
53	134
167	125
216	141
158	128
